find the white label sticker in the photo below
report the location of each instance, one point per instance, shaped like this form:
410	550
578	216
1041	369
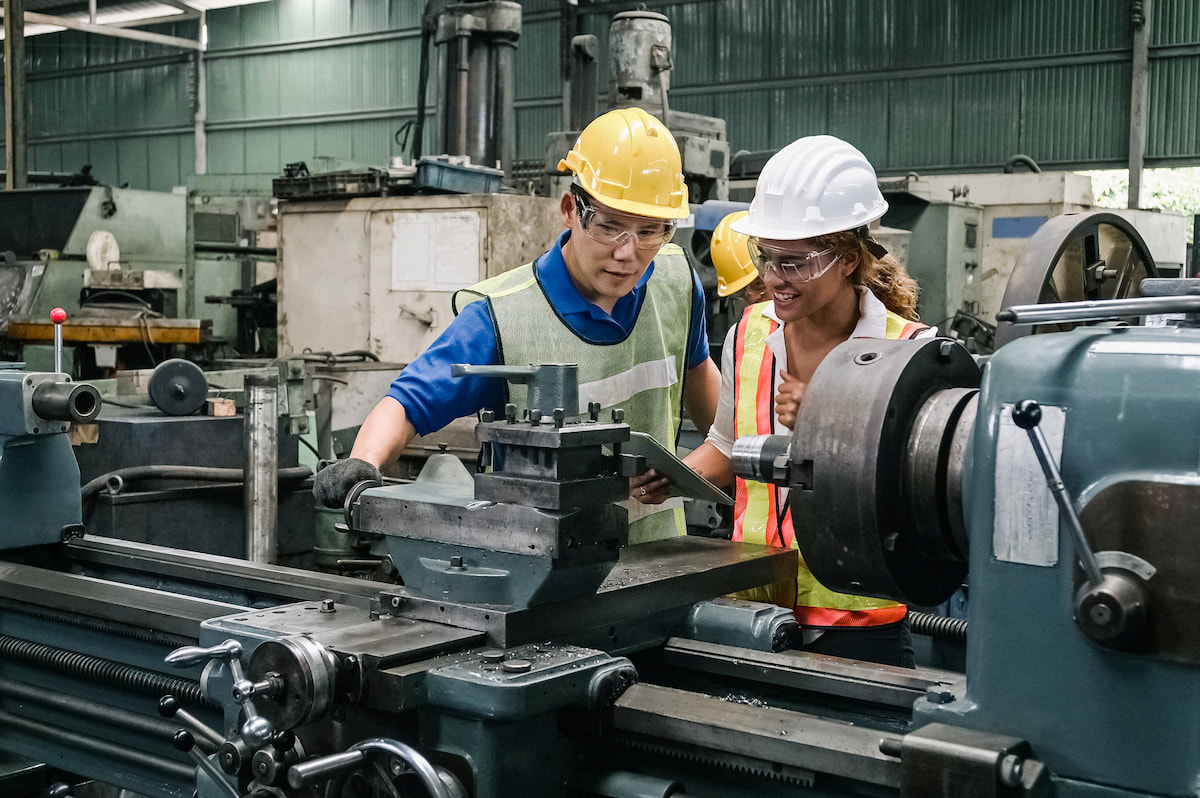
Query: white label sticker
435	251
1026	524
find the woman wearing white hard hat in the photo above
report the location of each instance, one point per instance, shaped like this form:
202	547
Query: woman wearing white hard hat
808	229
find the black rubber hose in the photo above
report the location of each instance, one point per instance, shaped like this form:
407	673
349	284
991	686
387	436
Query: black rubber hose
1018	159
938	626
135	473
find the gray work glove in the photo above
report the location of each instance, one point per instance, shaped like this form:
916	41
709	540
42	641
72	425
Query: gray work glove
335	480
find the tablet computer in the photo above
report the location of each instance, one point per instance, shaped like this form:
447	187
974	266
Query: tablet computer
684	481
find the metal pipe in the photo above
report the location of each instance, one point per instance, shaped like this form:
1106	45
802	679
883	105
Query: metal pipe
17	725
1098	310
15	133
260	488
234	249
201	118
153	727
505	118
1139	97
585	81
463	62
479	135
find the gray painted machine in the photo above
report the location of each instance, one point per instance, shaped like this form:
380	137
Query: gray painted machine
1063	478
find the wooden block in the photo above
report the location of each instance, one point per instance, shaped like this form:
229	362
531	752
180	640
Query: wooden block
221	407
84	433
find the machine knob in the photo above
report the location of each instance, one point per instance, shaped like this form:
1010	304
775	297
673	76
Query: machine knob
1114	612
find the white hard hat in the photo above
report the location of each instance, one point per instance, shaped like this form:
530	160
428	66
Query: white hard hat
814	186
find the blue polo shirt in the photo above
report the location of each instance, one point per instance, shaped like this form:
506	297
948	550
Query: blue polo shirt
432	398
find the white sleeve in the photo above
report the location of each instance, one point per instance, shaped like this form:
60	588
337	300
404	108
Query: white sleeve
721	434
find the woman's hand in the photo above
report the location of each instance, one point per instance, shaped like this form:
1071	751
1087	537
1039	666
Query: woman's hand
787	401
650	488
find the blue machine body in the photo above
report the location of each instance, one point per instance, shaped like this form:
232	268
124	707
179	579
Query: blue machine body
39	477
1122	412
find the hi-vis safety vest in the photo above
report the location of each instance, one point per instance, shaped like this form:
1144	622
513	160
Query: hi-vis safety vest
757	514
643	373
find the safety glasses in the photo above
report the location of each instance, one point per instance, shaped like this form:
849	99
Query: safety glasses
794	267
613	230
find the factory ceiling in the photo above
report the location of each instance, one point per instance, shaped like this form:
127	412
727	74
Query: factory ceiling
118	17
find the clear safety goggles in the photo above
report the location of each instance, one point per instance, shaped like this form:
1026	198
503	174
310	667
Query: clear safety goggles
615	229
794	267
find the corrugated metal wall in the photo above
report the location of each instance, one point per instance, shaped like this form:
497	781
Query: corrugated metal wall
918	84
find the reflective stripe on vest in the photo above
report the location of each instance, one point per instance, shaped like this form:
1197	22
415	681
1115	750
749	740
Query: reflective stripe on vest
643	374
755	509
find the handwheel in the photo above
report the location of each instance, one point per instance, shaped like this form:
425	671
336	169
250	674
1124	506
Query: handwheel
1076	257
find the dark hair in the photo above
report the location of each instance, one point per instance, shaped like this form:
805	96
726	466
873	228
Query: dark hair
885	277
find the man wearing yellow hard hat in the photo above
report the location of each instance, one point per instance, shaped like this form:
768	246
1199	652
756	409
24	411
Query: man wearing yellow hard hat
611	295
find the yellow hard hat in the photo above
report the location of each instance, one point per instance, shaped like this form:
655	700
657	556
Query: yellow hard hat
629	161
731	255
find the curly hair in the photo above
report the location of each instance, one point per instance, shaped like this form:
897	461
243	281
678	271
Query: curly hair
885	277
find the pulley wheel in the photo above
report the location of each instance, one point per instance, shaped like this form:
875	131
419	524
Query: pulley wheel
1073	258
178	387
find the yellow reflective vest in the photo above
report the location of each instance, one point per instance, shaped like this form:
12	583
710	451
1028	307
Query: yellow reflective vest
758	515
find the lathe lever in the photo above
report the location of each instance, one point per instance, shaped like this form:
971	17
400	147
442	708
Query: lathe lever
184	741
257	730
208	739
1027	414
1111	608
438	782
186	656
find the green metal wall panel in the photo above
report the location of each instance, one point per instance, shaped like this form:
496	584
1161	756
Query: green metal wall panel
1175	122
1176	22
917	133
918	84
986	125
537	61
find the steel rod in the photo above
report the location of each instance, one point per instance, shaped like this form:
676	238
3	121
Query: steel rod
260	488
1098	310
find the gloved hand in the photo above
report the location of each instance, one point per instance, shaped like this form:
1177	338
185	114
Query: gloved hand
335	480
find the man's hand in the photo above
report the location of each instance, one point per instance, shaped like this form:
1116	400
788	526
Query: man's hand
335	480
787	401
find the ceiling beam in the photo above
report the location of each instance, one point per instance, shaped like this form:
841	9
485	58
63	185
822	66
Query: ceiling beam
138	23
33	18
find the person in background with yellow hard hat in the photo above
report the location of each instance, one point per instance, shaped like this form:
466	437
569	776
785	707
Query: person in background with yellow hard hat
611	296
730	253
808	230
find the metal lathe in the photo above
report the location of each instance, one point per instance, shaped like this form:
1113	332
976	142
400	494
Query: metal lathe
528	652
